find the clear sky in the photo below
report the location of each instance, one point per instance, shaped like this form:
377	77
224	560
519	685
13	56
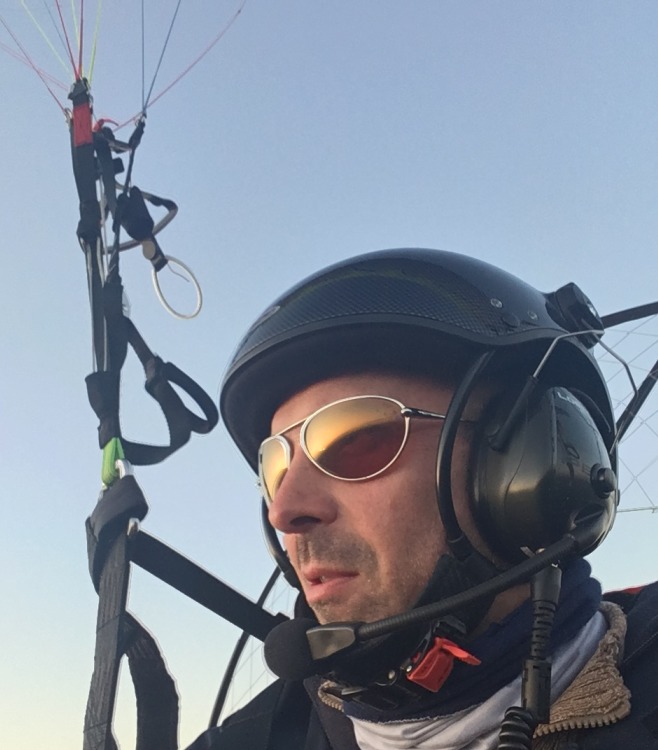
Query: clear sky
523	133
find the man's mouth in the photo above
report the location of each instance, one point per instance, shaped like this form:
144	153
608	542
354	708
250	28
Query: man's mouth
324	583
321	574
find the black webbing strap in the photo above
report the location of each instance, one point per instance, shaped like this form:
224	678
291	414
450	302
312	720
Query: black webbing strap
113	330
111	549
112	593
103	388
155	691
129	208
118	633
196	583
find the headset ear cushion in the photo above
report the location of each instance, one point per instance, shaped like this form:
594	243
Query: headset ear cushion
553	470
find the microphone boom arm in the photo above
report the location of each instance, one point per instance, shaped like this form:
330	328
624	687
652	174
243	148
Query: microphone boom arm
328	640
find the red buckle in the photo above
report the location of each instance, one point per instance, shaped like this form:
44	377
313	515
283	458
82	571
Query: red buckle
434	668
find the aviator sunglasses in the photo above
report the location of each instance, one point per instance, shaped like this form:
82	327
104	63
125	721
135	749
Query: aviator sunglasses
352	439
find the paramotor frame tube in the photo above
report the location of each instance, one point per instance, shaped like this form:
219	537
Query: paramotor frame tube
641	392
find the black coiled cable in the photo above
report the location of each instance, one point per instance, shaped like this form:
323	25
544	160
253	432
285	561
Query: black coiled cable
519	724
517	729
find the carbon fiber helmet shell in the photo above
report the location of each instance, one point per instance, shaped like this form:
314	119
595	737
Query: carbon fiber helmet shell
401	308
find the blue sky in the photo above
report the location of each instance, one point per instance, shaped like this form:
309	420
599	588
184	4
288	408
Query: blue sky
522	133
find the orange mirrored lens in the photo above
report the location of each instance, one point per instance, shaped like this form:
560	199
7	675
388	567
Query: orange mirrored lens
353	439
356	438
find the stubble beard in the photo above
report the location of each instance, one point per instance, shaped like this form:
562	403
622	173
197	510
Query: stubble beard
375	598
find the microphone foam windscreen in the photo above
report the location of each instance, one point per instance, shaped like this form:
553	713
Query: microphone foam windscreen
287	652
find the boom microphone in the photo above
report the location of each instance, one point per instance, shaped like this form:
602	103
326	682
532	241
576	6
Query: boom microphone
287	651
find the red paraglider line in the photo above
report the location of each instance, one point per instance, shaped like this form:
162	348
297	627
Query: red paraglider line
28	61
77	69
68	43
40	71
200	57
194	62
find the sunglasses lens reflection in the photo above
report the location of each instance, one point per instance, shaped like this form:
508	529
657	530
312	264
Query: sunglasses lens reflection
273	464
357	438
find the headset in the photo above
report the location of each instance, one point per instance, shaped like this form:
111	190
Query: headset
542	458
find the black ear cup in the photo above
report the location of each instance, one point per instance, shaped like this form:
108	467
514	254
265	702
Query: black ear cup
552	471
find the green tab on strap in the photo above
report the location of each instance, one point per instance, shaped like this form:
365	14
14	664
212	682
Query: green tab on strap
112	452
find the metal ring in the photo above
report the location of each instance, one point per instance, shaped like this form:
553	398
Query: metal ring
192	278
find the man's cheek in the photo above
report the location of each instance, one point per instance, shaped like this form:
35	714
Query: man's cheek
289	546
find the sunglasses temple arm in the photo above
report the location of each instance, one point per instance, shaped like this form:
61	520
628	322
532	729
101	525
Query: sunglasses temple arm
408	411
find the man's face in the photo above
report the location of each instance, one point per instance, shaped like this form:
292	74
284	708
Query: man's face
363	550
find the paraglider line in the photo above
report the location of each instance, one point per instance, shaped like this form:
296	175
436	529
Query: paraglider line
95	39
200	57
44	35
28	61
42	73
57	31
162	54
143	64
66	39
80	36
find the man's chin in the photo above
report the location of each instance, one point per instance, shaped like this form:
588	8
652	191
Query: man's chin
327	612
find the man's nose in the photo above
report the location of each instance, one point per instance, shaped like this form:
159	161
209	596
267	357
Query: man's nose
304	498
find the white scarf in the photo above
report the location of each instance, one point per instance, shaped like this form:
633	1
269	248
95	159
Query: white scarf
477	727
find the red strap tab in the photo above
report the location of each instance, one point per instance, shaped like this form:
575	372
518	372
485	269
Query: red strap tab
435	667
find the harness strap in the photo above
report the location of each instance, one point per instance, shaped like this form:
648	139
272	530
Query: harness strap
111	549
155	691
188	578
103	389
108	521
110	646
117	632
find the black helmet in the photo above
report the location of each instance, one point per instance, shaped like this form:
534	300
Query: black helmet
402	308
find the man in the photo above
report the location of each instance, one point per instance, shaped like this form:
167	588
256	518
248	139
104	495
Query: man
431	435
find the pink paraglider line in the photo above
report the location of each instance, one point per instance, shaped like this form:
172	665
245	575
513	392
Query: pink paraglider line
76	72
194	62
27	60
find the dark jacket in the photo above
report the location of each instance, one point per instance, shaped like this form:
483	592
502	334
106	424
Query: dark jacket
289	716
